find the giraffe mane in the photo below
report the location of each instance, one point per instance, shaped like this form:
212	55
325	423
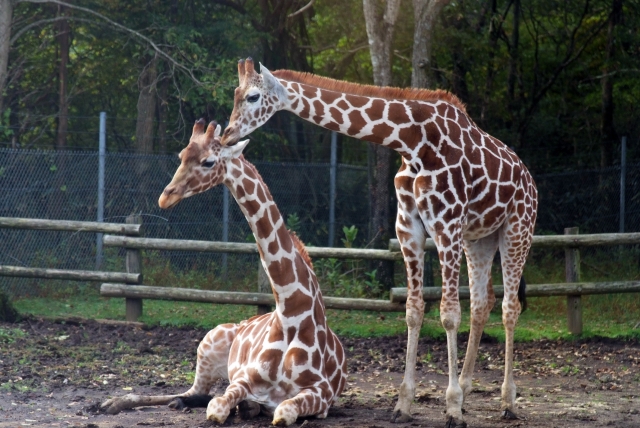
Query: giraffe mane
301	248
389	93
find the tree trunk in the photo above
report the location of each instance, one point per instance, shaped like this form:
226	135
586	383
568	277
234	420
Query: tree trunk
493	44
284	36
163	114
425	13
380	25
63	103
144	132
146	108
608	135
6	14
514	53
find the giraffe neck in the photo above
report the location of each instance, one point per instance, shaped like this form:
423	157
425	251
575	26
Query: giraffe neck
292	280
379	120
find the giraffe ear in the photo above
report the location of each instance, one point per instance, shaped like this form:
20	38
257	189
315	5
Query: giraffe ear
232	152
218	131
271	83
267	77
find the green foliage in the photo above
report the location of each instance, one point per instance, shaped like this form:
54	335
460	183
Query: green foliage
347	278
293	222
5	131
9	335
350	234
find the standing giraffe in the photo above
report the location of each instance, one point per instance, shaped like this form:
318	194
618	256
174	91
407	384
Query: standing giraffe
288	361
464	188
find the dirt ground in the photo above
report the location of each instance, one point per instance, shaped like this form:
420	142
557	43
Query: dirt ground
54	374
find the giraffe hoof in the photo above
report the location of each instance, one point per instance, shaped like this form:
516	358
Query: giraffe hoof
508	414
248	409
455	423
400	417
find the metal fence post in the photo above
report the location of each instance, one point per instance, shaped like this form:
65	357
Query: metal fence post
623	181
572	274
133	306
102	148
225	227
332	187
264	286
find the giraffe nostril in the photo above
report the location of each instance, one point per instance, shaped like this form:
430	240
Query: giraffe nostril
169	190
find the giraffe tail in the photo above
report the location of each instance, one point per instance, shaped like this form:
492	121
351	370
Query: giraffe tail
522	294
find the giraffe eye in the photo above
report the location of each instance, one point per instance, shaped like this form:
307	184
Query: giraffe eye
208	164
253	98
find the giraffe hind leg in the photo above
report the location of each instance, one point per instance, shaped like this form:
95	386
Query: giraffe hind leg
514	248
190	401
480	256
213	354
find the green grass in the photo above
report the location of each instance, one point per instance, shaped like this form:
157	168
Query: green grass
607	316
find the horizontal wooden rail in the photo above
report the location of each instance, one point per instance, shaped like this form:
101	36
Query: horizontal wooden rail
557	241
236	298
399	294
236	247
74	275
71	226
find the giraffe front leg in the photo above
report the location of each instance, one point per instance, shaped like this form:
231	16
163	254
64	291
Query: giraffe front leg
308	402
515	241
479	260
219	408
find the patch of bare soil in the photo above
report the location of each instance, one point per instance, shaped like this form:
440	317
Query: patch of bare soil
53	375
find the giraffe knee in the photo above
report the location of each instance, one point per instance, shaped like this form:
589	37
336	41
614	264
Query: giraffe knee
450	316
415	314
218	410
285	414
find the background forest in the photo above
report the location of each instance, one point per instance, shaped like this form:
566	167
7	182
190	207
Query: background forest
557	81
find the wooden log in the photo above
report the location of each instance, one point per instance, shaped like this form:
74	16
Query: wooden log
237	298
133	306
237	247
399	294
572	274
558	241
70	226
73	275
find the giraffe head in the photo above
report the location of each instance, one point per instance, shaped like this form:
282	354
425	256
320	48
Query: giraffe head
256	99
203	164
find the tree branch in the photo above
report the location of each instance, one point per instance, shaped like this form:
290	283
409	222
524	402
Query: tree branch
302	9
125	29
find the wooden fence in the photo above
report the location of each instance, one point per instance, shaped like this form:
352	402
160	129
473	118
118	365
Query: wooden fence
128	284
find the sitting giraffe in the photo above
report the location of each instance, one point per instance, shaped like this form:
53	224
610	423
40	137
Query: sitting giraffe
287	362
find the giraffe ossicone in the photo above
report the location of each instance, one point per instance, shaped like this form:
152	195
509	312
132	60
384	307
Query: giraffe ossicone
288	363
463	187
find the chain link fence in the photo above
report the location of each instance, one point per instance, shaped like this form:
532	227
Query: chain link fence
64	185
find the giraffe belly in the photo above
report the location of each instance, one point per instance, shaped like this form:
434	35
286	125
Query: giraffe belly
477	228
269	397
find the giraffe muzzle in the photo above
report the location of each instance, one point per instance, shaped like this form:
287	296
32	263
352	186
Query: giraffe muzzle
230	136
169	198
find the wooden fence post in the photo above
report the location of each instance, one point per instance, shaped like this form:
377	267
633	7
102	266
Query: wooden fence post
572	274
263	287
133	307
